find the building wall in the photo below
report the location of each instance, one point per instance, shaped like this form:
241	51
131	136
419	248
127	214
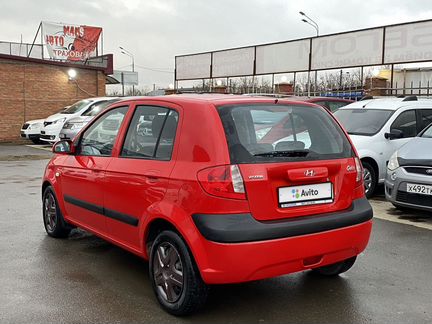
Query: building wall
31	90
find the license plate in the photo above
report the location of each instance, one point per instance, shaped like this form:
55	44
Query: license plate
419	189
321	193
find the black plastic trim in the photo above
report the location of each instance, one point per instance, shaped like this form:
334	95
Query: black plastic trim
414	162
124	218
237	228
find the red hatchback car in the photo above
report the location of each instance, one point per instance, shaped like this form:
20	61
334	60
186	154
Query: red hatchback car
188	183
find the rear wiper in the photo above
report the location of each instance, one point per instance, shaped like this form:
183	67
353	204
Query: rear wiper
292	153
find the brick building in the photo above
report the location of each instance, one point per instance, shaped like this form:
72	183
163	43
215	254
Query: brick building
35	88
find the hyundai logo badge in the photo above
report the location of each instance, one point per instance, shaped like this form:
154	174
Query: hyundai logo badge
309	173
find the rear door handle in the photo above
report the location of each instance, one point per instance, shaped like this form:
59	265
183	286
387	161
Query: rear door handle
152	179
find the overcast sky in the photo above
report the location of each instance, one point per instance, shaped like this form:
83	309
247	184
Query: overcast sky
155	31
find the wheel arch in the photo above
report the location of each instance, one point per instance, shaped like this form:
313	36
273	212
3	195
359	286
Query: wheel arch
45	185
373	163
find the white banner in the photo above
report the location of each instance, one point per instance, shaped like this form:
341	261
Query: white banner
347	49
408	43
283	57
193	66
70	42
237	62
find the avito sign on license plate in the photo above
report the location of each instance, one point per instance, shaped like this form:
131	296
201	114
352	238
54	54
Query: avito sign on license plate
312	194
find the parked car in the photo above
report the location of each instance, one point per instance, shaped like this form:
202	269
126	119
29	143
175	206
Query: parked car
53	124
408	182
74	125
330	103
186	184
31	130
378	127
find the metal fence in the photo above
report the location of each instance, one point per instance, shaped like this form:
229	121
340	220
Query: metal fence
21	49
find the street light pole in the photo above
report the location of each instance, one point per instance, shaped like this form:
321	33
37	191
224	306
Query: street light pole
126	52
313	23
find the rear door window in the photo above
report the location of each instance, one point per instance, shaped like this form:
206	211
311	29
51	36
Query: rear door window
151	133
425	117
407	123
273	133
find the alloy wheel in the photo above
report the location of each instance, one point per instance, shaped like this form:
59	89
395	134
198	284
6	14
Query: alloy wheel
50	212
168	272
367	178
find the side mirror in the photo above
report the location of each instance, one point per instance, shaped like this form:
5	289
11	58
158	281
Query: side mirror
63	147
394	133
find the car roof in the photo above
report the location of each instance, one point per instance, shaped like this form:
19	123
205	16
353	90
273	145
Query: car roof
217	99
390	103
298	98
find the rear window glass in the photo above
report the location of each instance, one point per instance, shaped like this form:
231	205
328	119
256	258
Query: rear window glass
279	133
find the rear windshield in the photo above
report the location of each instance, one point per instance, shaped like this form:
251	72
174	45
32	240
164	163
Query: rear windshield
76	106
363	121
279	133
97	107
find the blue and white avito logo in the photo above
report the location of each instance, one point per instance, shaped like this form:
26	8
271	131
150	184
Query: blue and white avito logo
300	194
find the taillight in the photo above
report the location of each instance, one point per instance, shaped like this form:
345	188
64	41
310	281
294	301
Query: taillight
359	171
223	181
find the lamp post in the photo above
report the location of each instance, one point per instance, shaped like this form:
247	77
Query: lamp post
308	20
126	52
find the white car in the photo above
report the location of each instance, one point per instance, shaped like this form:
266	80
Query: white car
31	130
53	124
378	127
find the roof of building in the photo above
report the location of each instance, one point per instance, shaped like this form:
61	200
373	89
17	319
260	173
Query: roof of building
90	64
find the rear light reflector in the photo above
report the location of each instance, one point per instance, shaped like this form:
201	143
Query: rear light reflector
223	181
359	170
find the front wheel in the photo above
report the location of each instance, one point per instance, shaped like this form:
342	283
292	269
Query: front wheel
54	222
370	179
175	278
336	268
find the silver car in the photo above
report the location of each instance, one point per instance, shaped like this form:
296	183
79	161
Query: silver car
74	125
408	181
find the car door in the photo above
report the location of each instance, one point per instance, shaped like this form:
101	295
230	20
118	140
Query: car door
137	179
82	176
407	123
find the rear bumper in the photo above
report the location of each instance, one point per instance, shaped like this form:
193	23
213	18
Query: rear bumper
237	228
253	258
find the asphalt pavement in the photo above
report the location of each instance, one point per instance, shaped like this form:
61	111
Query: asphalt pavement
84	279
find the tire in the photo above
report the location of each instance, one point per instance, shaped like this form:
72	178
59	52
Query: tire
172	266
53	220
336	268
36	141
370	179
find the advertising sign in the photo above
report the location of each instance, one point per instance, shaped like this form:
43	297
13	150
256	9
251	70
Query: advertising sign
236	62
347	49
70	42
193	66
408	43
282	57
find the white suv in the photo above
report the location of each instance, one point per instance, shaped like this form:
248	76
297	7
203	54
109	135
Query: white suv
54	123
378	127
